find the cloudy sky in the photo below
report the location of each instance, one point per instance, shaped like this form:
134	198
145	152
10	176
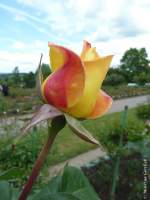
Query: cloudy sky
111	26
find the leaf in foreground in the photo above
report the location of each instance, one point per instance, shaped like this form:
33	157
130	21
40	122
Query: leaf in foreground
71	185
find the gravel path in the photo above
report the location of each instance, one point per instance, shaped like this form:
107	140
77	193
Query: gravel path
78	161
132	102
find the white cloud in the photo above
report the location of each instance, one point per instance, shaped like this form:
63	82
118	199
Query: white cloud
118	46
21	13
18	45
19	17
113	27
104	19
26	56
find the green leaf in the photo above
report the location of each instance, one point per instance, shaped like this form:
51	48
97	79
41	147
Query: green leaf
75	182
79	130
6	192
58	196
12	173
71	185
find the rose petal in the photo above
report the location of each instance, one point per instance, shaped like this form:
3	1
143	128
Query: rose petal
95	72
88	53
58	56
65	85
103	103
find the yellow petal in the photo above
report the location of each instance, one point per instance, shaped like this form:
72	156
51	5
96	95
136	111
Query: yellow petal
58	56
103	103
95	72
88	53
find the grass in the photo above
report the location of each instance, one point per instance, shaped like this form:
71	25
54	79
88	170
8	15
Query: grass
21	99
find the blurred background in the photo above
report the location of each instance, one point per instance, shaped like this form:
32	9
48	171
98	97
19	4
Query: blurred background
120	28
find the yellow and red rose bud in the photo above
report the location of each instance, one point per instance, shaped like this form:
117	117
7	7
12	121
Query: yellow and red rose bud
75	81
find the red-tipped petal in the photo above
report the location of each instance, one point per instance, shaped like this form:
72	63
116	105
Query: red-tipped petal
86	45
65	85
103	103
88	52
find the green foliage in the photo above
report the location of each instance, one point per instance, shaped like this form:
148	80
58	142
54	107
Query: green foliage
10	174
3	104
46	71
16	76
142	78
23	156
114	79
109	136
141	146
143	111
22	99
70	185
67	145
134	67
130	185
7	192
134	62
29	80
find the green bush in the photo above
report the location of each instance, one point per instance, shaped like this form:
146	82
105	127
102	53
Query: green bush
3	104
23	155
109	136
72	184
130	179
143	111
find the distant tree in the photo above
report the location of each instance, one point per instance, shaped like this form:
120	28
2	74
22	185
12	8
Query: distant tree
114	77
45	70
16	76
148	77
29	80
141	79
134	62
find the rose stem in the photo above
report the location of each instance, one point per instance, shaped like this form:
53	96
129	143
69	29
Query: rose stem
57	124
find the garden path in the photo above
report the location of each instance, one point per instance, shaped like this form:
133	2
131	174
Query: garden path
78	161
118	105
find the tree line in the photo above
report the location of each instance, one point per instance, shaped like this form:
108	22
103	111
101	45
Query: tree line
25	80
134	68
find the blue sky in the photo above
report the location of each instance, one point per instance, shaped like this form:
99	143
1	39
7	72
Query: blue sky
111	26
